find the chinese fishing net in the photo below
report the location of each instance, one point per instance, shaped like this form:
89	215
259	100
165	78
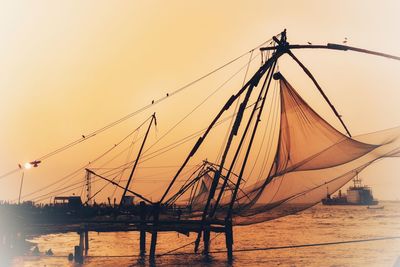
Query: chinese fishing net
312	159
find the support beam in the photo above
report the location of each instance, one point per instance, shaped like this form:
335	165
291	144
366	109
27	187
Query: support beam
117	185
156	210
309	74
142	228
153	118
335	47
229	239
20	187
88	180
86	241
252	81
78	250
266	85
206	240
81	240
262	95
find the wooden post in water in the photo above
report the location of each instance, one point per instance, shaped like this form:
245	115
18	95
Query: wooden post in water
78	253
78	257
86	240
229	239
206	239
142	228
156	210
81	239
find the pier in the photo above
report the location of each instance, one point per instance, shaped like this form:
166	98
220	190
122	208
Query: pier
150	221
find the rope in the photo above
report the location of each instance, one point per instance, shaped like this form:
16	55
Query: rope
253	249
202	102
114	123
311	245
76	172
173	145
191	243
234	111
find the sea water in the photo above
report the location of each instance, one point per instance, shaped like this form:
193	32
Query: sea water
318	224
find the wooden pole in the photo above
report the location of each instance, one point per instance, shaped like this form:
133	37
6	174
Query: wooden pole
309	74
253	80
20	188
239	147
154	233
153	118
86	241
206	239
81	241
142	228
78	252
334	47
266	85
229	239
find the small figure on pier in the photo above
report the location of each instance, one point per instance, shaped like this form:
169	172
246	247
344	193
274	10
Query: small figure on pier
35	251
49	252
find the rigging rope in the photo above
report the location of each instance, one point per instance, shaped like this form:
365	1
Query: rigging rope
126	117
74	173
173	145
252	249
204	100
130	150
235	109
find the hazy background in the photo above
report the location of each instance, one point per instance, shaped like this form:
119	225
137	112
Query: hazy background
70	67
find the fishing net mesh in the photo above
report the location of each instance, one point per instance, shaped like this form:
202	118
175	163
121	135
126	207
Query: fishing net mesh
312	159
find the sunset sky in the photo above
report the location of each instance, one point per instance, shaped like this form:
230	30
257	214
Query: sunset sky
68	68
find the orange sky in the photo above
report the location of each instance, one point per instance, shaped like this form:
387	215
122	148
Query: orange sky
68	68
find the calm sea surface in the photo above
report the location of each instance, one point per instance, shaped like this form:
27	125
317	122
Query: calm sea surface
316	225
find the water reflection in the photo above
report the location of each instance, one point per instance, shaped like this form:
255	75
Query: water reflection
316	225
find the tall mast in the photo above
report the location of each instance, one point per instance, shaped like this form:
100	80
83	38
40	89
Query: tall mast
241	143
254	80
153	118
235	128
268	79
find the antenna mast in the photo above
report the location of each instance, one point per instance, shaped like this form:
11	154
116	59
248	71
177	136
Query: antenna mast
88	179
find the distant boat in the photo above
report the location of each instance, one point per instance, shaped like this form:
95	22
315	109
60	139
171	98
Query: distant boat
357	194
